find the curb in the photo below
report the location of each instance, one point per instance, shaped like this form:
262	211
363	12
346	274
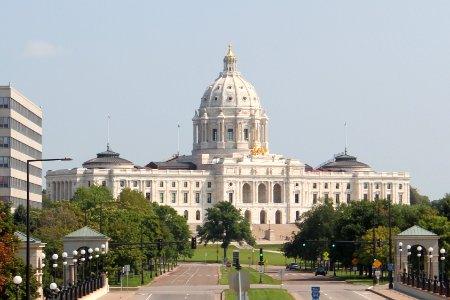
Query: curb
371	289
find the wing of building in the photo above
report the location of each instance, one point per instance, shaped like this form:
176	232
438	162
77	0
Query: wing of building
231	161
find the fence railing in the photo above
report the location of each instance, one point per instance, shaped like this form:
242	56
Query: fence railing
77	291
427	283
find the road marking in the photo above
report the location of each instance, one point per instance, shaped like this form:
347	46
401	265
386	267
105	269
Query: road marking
361	295
148	297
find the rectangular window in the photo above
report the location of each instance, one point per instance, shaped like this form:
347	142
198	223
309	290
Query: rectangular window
377	186
348	198
161	197
230	134
230	197
148	183
103	183
4	102
389	186
185	197
325	195
197	197
400	198
4	181
400	186
214	135
174	184
147	196
4	161
366	185
4	122
377	196
314	185
161	184
388	197
122	183
174	197
209	198
326	185
337	186
348	186
185	184
336	197
365	197
246	134
197	184
135	183
296	198
314	198
209	184
4	142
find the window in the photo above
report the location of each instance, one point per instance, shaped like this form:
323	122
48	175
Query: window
148	183
209	198
186	214
185	197
296	198
230	197
4	181
314	185
337	185
4	122
89	183
122	183
348	186
366	185
325	195
161	184
185	184
197	197
174	197
209	184
135	183
296	184
348	198
336	197
197	215
377	186
389	186
400	186
197	184
174	184
400	198
377	196
365	197
4	161
388	197
4	142
103	183
314	198
4	102
147	196
230	134
214	134
326	185
161	197
246	133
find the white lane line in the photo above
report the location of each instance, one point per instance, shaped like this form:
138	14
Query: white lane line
361	295
193	274
148	297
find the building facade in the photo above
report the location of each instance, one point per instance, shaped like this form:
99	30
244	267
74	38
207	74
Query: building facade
20	140
231	161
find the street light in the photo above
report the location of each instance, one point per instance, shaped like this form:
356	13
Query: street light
442	254
82	252
55	265
75	266
96	258
54	289
419	254
17	280
90	260
400	249
408	248
391	286
28	265
64	256
430	267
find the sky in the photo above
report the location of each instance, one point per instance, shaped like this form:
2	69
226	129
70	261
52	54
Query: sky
380	67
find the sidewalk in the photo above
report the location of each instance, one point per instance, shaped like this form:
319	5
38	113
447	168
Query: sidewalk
117	294
383	290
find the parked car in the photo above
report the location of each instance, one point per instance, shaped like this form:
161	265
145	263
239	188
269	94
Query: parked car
292	266
321	271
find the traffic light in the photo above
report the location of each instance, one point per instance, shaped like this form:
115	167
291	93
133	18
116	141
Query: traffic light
194	243
159	244
261	255
379	242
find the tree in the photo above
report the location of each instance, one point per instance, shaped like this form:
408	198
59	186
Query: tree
223	222
416	198
90	200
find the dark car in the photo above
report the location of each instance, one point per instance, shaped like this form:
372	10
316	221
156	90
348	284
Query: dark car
292	266
321	271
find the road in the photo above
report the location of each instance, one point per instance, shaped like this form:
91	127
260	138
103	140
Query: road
200	282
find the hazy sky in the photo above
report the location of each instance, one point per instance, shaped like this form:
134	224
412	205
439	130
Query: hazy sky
381	66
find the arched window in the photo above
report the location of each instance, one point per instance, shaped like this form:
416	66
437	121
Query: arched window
186	215
197	215
248	216
262	217
262	194
246	193
276	193
278	217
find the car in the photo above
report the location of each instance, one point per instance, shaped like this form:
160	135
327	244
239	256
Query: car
321	271
292	266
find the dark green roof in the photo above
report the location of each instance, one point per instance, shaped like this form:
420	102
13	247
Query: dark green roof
417	231
23	237
86	232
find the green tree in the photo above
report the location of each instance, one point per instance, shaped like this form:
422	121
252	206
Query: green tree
90	200
416	198
224	222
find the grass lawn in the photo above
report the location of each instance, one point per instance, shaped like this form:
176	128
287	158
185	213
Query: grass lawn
254	276
133	280
247	257
355	278
261	294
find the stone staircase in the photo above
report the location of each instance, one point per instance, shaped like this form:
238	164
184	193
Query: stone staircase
280	233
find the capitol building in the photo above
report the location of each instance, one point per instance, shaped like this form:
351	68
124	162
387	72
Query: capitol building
231	161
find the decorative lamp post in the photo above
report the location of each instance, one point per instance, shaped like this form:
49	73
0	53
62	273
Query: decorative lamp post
54	289
90	261
17	281
419	254
400	249
408	248
64	256
103	247
27	256
96	259
55	265
75	266
442	256
43	260
430	267
82	252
